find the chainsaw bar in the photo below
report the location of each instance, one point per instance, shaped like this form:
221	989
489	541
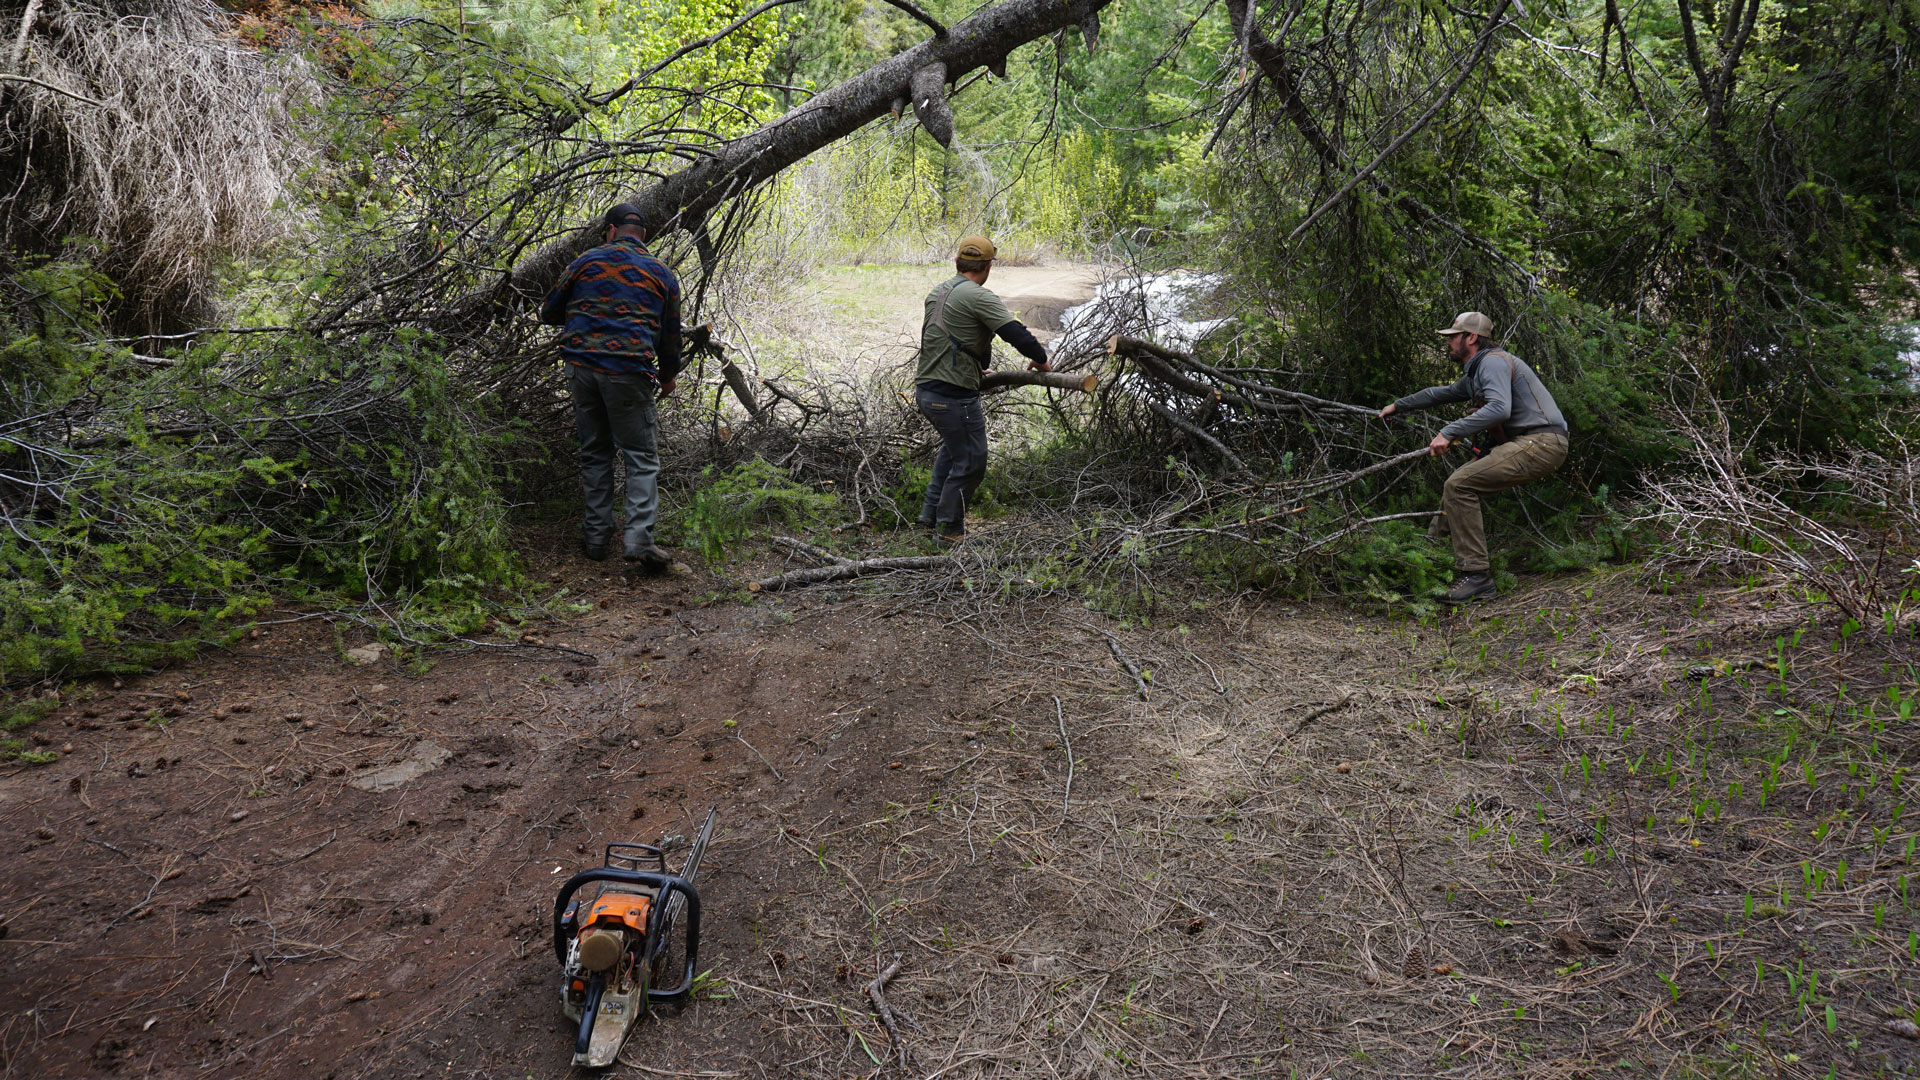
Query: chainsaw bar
692	866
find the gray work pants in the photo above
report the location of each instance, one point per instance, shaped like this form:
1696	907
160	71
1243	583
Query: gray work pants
616	412
962	461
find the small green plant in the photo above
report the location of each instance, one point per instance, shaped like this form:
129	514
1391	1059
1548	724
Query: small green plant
23	713
726	505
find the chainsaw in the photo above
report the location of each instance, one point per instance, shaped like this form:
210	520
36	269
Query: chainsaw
613	944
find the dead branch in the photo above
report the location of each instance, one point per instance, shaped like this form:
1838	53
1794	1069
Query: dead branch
1345	700
876	990
742	390
1480	50
801	547
917	12
1197	432
1113	646
114	94
1066	743
1084	382
856	568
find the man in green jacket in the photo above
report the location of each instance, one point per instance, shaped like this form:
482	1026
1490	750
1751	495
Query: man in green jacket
1529	432
956	348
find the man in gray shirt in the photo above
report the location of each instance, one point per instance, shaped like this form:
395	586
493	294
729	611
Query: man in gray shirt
1529	433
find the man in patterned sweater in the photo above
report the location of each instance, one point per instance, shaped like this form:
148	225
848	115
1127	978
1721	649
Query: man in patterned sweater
621	310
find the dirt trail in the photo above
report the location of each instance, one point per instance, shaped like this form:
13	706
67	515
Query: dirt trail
877	311
1320	844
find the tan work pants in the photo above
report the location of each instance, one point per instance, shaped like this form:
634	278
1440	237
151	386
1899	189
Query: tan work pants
1510	464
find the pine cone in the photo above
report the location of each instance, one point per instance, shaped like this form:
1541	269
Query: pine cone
1415	966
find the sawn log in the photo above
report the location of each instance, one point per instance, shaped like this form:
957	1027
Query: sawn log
1059	380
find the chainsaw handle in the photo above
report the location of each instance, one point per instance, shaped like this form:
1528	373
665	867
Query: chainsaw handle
658	927
664	885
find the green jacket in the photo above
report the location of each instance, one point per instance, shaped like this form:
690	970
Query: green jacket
956	336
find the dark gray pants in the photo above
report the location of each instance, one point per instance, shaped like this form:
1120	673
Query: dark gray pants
616	412
962	461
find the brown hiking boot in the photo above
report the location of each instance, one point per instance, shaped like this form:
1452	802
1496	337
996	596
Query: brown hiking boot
651	559
1468	586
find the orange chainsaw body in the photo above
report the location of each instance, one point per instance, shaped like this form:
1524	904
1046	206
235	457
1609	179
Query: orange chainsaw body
624	909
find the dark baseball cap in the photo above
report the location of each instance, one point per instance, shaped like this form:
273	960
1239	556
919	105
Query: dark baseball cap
628	214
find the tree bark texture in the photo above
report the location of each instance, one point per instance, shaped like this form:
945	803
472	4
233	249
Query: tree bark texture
842	571
1059	380
742	389
984	39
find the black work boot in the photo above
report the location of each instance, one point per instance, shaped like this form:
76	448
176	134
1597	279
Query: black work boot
651	559
591	550
1467	586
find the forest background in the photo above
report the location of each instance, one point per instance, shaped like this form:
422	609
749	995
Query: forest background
257	353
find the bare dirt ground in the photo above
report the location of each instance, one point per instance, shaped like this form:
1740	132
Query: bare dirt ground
1585	829
878	309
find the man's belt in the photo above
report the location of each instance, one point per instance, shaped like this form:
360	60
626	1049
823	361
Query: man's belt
1539	429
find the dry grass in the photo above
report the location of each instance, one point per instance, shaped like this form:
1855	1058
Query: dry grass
1511	852
151	129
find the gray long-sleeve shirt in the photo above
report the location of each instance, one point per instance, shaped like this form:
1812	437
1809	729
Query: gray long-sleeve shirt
1509	390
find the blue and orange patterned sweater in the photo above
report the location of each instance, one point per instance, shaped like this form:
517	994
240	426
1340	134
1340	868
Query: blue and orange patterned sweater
621	310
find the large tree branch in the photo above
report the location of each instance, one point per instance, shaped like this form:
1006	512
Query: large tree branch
1480	49
1273	63
1708	88
984	39
914	10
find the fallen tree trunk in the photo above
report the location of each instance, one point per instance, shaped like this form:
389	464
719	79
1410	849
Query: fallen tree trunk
1059	380
984	40
842	571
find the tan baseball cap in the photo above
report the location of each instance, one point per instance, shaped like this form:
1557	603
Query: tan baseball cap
1470	322
977	247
